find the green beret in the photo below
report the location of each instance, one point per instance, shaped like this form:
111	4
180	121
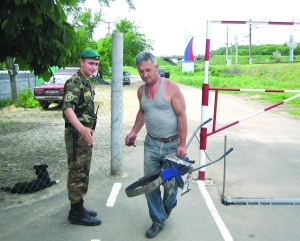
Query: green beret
90	54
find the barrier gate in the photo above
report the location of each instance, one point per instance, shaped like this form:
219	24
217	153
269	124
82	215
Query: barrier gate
204	116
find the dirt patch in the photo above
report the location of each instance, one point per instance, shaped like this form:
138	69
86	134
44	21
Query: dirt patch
36	136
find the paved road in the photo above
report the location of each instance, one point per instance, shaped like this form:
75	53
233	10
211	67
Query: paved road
264	164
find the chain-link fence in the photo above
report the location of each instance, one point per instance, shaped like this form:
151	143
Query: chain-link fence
35	136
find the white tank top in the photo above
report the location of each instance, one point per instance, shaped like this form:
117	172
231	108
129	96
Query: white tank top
160	117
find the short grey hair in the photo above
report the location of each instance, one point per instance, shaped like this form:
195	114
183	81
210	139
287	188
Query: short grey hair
145	56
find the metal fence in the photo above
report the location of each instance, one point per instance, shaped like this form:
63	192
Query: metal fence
35	136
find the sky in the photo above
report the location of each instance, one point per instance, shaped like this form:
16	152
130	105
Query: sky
170	23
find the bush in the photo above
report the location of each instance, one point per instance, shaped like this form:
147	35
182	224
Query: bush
5	102
26	99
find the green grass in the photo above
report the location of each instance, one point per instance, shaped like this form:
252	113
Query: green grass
278	76
132	70
5	102
26	99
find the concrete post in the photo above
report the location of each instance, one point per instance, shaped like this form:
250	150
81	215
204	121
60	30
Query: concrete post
13	80
117	139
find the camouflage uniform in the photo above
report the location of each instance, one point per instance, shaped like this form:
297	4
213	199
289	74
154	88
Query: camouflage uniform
79	96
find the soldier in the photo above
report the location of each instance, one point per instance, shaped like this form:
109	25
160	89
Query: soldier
80	122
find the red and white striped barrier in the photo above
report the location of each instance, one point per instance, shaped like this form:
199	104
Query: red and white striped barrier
256	113
256	22
206	89
257	90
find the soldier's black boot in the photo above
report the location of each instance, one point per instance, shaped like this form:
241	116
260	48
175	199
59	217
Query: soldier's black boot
78	215
90	212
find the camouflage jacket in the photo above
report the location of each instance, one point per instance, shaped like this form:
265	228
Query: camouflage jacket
79	96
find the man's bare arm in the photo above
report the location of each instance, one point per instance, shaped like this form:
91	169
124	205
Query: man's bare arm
178	103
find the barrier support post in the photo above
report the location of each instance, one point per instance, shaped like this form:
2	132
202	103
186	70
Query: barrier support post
204	106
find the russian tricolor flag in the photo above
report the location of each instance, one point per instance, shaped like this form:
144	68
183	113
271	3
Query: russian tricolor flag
188	53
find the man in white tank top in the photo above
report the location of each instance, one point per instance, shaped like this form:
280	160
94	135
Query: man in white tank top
162	109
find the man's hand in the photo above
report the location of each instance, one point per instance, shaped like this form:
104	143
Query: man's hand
87	135
181	151
85	131
130	138
130	144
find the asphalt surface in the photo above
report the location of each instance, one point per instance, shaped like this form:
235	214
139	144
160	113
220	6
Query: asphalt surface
264	164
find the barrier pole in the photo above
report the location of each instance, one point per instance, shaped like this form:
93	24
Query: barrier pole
205	86
204	105
254	114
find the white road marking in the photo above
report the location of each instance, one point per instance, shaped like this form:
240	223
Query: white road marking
113	195
223	229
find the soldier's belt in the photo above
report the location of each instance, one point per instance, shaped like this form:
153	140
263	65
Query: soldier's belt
69	125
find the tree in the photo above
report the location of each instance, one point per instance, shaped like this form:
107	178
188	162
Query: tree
134	42
277	56
106	3
37	35
88	22
105	50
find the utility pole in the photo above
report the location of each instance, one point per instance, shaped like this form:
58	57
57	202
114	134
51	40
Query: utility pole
236	49
117	106
227	47
76	11
291	45
250	46
108	27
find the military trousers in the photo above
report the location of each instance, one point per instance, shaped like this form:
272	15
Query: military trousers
79	163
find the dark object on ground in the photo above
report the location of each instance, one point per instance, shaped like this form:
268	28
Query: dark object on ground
164	73
82	216
153	230
41	182
126	77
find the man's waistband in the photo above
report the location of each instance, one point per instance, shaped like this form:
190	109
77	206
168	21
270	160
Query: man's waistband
169	139
69	125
